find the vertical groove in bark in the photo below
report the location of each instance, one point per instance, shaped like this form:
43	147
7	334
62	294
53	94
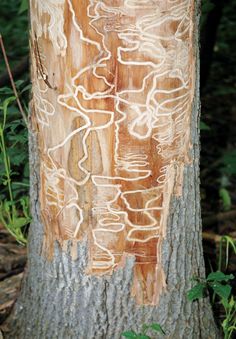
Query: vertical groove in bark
59	300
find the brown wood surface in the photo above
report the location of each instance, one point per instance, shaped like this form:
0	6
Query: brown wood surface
113	88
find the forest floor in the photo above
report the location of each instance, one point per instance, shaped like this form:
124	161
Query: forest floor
12	264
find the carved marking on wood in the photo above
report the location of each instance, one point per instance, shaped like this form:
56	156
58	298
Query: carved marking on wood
115	135
39	63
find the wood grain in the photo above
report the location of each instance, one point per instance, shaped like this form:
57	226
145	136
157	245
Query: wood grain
112	94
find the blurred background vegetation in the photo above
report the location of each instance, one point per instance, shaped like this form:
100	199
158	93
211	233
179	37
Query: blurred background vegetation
218	119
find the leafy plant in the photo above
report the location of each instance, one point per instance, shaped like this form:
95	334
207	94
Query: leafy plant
23	6
14	213
228	170
230	243
225	198
143	334
229	162
14	169
14	29
204	126
207	6
229	323
15	136
218	283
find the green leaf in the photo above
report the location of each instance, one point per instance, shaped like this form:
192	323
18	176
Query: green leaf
229	160
232	302
204	126
6	103
143	336
6	90
18	83
145	327
225	303
26	88
196	292
19	222
223	291
219	276
129	334
207	6
17	159
229	240
232	328
226	199
157	327
23	6
7	205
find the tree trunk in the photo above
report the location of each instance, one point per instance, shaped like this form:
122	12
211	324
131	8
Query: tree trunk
114	153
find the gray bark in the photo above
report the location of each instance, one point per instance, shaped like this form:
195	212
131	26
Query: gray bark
59	301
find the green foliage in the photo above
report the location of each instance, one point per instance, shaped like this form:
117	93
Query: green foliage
230	244
14	164
15	216
229	162
14	29
14	213
23	6
229	323
226	199
218	285
218	155
213	281
198	291
207	6
129	334
204	126
219	276
228	170
143	334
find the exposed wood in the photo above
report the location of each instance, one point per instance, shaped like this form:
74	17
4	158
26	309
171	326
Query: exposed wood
99	144
113	114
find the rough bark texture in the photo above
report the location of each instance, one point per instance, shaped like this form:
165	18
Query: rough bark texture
59	300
